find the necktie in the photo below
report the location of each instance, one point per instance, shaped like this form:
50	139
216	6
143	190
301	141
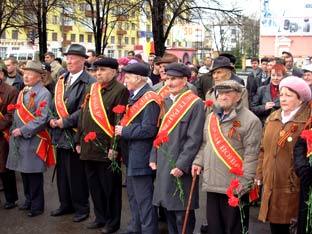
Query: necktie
68	82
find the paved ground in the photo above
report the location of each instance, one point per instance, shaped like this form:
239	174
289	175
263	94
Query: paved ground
16	222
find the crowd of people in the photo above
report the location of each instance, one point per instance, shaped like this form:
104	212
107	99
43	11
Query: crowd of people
168	122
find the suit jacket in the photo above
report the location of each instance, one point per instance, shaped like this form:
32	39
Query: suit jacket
22	154
73	98
140	135
8	95
183	145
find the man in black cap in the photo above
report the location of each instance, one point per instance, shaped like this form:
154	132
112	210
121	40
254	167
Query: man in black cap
183	124
69	95
139	128
104	183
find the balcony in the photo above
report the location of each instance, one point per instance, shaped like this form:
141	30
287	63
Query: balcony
122	18
121	32
89	13
119	46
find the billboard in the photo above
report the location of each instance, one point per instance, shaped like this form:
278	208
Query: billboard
286	18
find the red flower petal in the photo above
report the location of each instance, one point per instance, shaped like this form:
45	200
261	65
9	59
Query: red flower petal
234	184
38	112
119	109
43	103
233	201
208	103
10	107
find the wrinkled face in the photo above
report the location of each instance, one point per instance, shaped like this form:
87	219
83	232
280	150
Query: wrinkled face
228	100
75	63
104	74
176	84
162	71
254	65
289	100
11	67
132	81
221	74
288	63
31	78
276	77
307	76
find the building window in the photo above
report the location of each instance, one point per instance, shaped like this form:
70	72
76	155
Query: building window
54	36
119	25
111	53
81	38
126	40
3	51
14	34
133	40
133	26
133	14
3	35
81	7
233	40
89	38
112	40
119	53
233	31
119	40
73	37
148	28
54	19
127	26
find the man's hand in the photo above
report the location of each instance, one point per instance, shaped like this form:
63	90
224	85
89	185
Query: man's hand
153	166
16	132
196	170
118	130
53	123
78	149
112	154
59	123
176	172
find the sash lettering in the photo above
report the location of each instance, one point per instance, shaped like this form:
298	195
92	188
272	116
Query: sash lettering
221	146
138	107
164	91
97	110
177	111
45	150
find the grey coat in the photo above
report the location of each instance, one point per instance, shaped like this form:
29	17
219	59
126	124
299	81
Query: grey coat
22	155
183	145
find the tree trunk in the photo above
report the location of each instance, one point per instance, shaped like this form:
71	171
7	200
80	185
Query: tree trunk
158	11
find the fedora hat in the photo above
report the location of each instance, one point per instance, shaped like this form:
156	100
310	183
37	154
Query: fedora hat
168	58
76	49
34	66
221	62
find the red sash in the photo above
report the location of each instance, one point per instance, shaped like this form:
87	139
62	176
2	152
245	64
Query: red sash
221	146
177	111
164	91
60	105
5	131
45	150
138	106
97	110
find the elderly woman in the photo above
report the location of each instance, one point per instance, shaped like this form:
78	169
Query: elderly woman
121	74
30	144
267	98
307	74
276	161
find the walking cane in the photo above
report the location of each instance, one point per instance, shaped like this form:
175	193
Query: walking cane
189	203
53	175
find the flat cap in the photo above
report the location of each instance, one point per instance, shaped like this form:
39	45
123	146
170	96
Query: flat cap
167	58
137	69
178	70
106	62
229	85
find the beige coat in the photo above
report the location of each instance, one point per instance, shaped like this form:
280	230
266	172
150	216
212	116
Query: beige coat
280	198
216	176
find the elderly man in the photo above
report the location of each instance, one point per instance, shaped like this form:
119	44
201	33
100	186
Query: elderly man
70	90
182	123
139	127
104	183
8	95
31	150
222	71
13	77
56	67
231	142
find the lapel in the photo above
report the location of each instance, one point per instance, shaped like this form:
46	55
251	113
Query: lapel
145	88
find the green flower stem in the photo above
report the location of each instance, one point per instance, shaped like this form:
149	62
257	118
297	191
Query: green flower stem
309	204
178	182
114	165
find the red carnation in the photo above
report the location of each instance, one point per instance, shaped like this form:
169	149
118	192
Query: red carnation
38	112
11	107
237	170
230	192
306	134
90	136
233	201
17	106
234	184
42	104
208	103
119	109
162	137
254	194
